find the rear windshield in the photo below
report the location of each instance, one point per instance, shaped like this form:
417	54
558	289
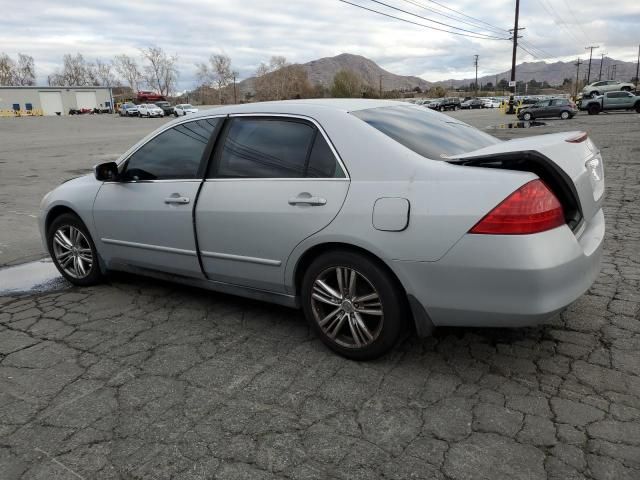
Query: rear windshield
430	134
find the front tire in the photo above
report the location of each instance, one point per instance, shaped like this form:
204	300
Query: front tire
73	252
354	304
593	109
527	117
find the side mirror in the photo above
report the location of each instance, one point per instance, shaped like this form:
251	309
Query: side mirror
106	171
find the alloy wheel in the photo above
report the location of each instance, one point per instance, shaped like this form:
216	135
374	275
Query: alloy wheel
72	251
347	307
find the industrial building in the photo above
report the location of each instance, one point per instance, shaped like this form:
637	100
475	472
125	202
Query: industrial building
54	100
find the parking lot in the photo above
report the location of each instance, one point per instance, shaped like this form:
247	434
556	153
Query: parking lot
141	379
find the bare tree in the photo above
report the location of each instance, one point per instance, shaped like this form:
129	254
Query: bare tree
160	71
76	71
128	69
25	73
103	72
216	73
347	83
279	80
7	70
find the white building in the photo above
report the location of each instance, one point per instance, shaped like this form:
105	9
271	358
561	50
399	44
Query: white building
54	100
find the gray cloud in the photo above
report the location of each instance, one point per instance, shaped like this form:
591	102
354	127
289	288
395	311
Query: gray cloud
250	31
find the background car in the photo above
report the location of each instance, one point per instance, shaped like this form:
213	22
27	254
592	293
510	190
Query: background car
472	103
600	87
449	103
491	103
183	109
435	104
128	110
381	220
557	107
150	110
166	107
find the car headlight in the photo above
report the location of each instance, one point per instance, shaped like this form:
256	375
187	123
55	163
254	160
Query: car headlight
596	175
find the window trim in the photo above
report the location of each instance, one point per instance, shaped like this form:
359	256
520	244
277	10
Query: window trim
204	160
295	117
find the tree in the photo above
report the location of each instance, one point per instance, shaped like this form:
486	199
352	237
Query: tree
76	72
503	83
128	69
7	69
279	80
346	83
160	71
25	72
103	72
217	72
437	92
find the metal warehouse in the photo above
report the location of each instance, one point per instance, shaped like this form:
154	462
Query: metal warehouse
53	100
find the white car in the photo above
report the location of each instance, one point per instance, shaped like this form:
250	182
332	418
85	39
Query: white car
598	88
491	103
149	110
183	108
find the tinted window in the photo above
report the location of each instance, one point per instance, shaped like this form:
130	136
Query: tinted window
615	95
322	161
427	133
265	148
559	102
174	154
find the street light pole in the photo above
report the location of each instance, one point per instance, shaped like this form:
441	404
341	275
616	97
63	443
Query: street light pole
476	64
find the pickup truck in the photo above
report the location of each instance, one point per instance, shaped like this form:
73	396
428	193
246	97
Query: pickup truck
622	100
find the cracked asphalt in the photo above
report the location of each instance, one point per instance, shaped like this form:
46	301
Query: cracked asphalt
140	379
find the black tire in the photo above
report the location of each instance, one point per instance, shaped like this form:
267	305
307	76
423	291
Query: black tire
94	275
385	330
565	115
593	109
527	117
637	107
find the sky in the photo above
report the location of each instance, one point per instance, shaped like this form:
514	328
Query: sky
251	31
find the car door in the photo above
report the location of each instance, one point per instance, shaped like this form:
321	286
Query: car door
274	181
146	218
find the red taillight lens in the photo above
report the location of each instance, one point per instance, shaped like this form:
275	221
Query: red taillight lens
533	208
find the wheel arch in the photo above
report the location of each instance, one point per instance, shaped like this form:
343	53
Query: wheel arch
55	212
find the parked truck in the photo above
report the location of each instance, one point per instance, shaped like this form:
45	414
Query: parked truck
609	101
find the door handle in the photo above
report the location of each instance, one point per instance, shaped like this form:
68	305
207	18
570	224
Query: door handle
308	200
177	200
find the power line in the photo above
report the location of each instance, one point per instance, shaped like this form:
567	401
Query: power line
464	14
476	23
419	24
433	21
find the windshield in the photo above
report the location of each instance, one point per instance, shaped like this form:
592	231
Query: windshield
186	105
430	134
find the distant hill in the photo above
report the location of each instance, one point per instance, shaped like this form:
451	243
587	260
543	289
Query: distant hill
554	73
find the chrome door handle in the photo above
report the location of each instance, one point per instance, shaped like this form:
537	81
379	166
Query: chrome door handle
313	201
177	200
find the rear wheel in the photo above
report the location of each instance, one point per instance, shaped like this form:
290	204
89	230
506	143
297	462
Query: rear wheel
354	304
73	251
565	115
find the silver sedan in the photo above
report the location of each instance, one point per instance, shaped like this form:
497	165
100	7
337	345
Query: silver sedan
372	216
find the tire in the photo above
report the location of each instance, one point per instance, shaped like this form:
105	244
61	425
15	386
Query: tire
68	238
342	331
527	117
565	115
637	107
593	109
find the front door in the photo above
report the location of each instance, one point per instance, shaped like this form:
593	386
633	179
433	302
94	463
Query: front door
146	218
274	181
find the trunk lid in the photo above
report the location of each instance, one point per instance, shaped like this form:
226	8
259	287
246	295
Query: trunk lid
568	162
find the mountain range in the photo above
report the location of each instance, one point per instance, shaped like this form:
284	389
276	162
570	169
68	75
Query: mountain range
322	71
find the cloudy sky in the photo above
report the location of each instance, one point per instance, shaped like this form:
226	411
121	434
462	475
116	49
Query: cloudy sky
250	31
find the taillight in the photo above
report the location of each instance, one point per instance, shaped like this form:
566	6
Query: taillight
533	208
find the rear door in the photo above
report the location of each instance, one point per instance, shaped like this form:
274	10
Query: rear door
146	218
274	181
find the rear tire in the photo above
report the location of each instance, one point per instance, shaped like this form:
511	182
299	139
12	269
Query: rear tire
565	115
354	304
73	252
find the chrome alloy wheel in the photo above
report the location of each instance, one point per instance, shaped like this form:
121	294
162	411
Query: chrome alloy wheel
347	307
72	251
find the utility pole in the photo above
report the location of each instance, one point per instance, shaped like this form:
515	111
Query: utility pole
380	86
590	48
235	95
577	64
637	67
476	64
513	57
601	62
614	67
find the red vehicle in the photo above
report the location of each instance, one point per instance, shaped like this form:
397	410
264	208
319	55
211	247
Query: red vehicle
145	97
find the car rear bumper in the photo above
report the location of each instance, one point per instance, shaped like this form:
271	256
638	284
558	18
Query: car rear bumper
508	280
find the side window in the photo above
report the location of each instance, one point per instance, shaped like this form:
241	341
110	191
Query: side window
265	148
174	154
322	161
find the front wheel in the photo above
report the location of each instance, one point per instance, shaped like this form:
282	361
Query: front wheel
564	115
527	117
354	304
73	251
593	110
